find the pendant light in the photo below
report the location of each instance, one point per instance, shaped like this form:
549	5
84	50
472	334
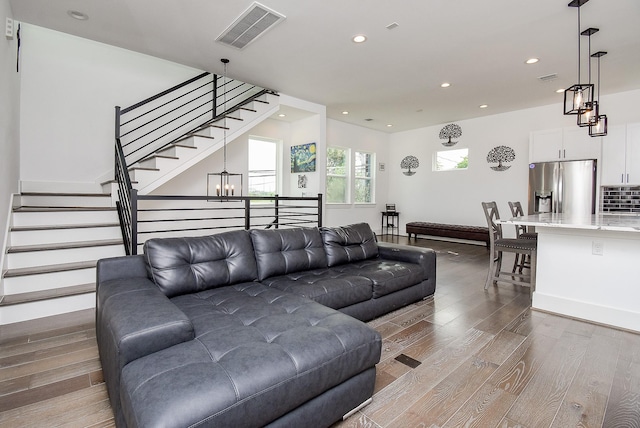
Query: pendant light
589	115
577	97
229	184
598	128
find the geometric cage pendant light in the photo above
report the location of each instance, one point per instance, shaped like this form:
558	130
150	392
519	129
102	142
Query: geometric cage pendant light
226	183
588	116
579	97
598	126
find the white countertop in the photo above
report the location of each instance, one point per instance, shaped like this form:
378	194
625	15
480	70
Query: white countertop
612	222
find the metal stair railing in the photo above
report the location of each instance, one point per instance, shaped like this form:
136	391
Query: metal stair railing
156	123
176	216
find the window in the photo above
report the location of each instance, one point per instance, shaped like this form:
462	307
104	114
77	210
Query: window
449	160
364	177
263	167
337	175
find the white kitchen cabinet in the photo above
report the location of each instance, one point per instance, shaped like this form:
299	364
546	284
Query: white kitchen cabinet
621	155
563	144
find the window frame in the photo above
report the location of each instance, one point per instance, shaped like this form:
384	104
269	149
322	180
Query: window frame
436	157
278	163
371	179
346	176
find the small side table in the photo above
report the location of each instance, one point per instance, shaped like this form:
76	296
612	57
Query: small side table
392	221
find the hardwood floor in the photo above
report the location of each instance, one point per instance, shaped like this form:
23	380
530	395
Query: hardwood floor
465	357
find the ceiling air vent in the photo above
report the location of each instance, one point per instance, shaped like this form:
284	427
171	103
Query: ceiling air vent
548	77
249	26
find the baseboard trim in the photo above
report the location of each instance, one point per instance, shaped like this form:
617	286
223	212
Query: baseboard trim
586	311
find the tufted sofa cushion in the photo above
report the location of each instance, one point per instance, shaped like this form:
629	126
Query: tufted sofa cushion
349	243
188	265
258	353
284	251
330	288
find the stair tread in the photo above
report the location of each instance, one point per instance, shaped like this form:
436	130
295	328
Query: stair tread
35	296
163	156
218	126
142	168
62	267
63	226
29	208
248	109
83	194
63	246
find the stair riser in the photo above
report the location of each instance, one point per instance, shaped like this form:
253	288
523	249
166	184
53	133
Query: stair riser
159	163
51	257
64	218
48	281
32	310
178	152
55	236
65	201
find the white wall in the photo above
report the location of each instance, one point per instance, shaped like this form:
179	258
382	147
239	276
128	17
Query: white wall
358	138
9	120
70	87
455	196
193	181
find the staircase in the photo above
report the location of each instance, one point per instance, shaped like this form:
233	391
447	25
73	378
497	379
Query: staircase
167	163
54	243
56	239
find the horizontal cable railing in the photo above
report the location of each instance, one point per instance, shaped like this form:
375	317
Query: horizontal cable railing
143	129
160	216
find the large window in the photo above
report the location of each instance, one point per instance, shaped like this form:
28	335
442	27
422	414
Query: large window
364	177
449	160
337	175
263	167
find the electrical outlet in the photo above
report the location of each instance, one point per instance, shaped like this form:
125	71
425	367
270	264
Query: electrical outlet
8	29
597	248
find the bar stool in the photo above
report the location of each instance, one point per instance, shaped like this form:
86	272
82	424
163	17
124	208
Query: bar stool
521	261
500	245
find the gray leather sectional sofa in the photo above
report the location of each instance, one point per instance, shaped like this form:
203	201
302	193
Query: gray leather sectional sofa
250	328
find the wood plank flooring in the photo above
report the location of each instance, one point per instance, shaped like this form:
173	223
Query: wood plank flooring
464	358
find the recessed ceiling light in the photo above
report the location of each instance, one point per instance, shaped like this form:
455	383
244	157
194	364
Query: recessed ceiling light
359	38
445	85
389	125
345	112
559	91
484	105
78	15
531	61
282	115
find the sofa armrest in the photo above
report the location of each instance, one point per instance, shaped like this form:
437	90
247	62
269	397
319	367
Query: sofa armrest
133	319
425	257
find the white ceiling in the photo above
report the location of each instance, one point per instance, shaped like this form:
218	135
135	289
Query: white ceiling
480	47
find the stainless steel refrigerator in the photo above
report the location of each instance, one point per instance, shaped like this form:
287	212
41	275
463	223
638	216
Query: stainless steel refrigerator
563	187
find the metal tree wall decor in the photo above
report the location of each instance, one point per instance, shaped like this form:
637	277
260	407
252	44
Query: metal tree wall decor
450	131
409	162
501	154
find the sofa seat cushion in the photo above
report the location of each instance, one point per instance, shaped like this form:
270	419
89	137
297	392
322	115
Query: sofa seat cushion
387	276
328	287
258	353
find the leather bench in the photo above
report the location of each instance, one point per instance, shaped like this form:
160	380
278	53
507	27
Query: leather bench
471	233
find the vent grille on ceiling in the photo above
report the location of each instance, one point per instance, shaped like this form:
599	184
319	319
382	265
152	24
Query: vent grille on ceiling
249	26
548	77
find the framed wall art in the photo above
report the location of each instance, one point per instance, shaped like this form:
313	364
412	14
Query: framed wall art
303	158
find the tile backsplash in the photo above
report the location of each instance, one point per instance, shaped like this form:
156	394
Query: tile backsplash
621	199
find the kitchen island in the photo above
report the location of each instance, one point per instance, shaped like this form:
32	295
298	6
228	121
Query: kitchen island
588	267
